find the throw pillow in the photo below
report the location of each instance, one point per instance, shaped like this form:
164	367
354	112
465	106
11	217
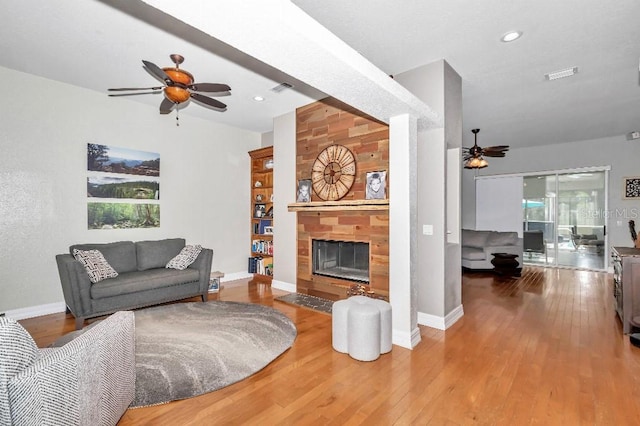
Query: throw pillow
95	264
185	258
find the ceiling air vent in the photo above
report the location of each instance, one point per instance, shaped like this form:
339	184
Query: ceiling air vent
280	87
568	72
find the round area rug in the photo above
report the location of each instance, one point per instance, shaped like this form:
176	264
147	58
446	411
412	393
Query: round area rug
187	349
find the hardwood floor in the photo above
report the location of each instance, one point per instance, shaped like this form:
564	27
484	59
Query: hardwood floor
545	349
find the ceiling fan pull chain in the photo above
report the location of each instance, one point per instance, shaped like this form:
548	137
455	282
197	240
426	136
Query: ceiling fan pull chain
177	117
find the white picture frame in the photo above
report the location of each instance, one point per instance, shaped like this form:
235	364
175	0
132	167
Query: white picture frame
376	188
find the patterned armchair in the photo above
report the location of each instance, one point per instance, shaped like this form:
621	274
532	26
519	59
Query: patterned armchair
88	381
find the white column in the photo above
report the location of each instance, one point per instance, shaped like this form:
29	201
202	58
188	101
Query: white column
284	178
403	132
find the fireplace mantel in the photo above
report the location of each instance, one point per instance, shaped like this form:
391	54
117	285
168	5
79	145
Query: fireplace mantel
347	205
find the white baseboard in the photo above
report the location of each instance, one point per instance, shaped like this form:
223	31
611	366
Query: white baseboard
441	323
453	317
235	276
284	286
406	340
36	311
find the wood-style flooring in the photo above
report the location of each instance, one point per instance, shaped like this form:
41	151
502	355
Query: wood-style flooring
546	348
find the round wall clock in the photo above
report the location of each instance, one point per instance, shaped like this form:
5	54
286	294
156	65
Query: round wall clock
333	173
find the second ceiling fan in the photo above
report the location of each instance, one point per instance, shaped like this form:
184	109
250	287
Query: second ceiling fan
474	157
178	87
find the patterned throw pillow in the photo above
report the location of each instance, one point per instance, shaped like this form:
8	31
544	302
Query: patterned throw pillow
96	265
185	258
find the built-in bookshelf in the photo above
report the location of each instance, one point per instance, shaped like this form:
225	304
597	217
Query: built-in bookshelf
260	262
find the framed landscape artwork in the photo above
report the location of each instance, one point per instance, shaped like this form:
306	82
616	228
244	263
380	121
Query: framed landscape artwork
123	188
632	187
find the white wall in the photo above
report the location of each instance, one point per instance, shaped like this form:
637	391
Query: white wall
46	126
266	139
438	264
284	192
622	155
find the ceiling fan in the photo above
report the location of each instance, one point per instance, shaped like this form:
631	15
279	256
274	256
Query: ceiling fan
474	156
179	87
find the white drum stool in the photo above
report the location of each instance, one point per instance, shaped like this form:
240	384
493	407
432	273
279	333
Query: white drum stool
361	327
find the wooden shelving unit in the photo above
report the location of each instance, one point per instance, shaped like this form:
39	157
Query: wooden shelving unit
261	247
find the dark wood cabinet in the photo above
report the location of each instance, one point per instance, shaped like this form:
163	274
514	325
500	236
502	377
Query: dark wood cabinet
626	286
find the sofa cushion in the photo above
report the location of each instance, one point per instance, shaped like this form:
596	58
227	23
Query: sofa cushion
95	264
186	257
121	255
156	254
497	239
471	238
472	253
135	282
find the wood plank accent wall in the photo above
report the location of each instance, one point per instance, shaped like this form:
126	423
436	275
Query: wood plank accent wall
319	125
371	227
329	122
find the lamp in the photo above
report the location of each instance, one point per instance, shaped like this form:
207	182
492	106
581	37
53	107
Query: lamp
476	162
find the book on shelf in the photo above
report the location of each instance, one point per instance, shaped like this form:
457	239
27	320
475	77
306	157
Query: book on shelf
262	247
260	265
263	224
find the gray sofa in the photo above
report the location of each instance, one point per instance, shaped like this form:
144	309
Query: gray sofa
142	277
88	381
477	247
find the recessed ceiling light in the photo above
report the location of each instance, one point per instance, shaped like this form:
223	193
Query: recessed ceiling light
511	36
568	72
258	98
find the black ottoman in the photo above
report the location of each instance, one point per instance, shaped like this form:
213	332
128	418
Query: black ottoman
506	264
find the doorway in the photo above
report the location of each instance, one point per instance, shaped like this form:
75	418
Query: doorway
563	219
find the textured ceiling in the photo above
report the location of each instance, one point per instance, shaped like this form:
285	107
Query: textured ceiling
100	44
504	89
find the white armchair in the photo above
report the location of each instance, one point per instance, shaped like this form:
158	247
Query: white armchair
88	381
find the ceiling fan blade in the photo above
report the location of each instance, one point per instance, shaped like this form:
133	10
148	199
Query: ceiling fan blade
209	87
122	89
134	94
497	148
166	106
215	104
158	72
494	154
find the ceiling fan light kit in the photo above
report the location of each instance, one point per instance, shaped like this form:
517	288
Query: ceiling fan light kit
476	163
179	87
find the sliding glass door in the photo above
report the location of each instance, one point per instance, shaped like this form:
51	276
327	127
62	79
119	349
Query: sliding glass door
581	201
539	212
564	219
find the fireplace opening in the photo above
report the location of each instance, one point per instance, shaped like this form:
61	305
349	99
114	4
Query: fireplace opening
348	260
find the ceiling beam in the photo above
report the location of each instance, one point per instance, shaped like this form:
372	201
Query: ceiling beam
281	35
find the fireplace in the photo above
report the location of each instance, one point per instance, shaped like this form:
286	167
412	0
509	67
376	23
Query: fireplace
347	260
